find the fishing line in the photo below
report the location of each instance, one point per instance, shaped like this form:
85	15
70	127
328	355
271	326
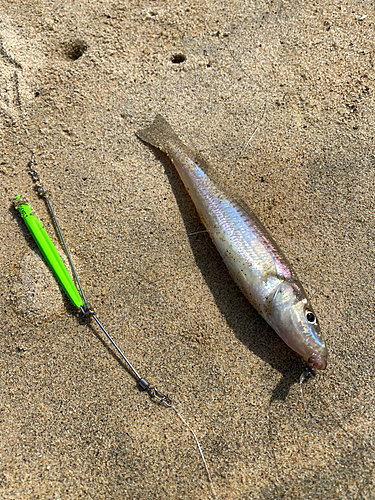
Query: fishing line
79	300
197	232
200	450
255	130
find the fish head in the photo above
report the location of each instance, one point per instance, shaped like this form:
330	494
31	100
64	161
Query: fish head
296	323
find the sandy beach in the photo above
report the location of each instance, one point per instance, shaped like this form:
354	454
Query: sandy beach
77	79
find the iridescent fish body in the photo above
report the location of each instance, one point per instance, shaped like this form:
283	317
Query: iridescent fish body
254	260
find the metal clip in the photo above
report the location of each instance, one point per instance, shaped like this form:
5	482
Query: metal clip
160	397
86	310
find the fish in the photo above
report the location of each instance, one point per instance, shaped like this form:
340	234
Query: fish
253	258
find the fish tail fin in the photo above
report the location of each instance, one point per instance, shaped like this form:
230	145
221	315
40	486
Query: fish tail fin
159	134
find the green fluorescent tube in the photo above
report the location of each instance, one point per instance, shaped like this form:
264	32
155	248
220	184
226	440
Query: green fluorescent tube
49	252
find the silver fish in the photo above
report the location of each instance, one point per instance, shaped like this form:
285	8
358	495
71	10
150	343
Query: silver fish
253	258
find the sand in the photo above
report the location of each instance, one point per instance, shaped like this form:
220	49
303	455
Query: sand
76	80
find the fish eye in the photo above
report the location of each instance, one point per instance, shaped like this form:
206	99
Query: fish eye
310	317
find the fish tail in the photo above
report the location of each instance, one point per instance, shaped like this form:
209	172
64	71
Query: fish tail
159	134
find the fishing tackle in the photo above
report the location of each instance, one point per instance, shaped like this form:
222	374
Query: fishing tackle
78	298
58	268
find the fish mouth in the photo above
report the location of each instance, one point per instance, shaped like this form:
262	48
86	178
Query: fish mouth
317	362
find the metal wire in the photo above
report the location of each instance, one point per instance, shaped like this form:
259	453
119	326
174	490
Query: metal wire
43	192
155	393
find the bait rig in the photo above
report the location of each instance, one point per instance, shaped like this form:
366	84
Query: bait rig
78	298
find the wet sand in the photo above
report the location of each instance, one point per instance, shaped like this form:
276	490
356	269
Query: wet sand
76	80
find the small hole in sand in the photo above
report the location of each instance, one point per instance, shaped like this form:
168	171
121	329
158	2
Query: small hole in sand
75	49
178	58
